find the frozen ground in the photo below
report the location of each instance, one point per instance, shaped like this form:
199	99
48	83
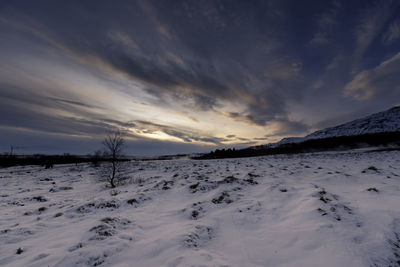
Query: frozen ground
328	209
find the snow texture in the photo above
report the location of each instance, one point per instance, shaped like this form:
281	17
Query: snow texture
386	121
323	209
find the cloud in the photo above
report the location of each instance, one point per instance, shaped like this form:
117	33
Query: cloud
288	127
123	39
161	27
261	138
177	70
74	103
27	141
381	80
188	136
282	125
161	69
35	110
372	20
43	117
326	22
392	33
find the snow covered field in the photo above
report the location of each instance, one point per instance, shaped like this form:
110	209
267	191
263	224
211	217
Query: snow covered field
326	209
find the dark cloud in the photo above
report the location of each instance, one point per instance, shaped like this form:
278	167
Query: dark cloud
36	119
251	61
326	22
261	138
28	142
187	64
36	112
288	127
75	103
381	81
186	136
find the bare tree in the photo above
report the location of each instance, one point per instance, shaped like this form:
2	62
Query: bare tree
113	144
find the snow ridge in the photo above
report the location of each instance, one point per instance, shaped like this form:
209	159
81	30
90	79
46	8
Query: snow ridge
386	121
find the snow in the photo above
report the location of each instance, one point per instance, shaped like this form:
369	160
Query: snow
322	209
386	121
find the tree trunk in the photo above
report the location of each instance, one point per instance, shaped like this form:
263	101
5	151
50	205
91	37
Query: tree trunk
113	174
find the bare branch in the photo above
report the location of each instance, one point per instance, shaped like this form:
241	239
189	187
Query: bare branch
114	144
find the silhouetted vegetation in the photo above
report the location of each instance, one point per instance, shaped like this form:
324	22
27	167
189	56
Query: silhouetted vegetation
48	161
113	144
313	145
42	160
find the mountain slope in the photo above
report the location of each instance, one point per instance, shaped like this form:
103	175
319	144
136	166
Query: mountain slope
386	121
379	129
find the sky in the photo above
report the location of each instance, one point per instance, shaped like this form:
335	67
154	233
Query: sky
190	76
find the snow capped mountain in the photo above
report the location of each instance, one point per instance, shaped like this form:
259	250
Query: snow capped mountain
379	129
386	121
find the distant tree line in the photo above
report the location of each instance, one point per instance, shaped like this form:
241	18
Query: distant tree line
312	145
48	161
